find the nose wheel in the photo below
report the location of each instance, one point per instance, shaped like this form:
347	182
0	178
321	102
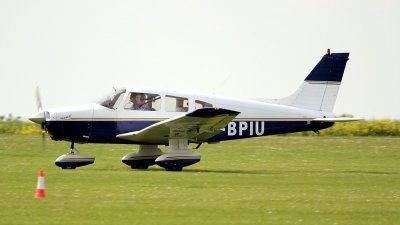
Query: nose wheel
72	160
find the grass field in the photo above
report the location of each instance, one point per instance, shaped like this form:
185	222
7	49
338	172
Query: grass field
271	180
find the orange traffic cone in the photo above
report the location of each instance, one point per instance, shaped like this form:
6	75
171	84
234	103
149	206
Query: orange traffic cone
40	186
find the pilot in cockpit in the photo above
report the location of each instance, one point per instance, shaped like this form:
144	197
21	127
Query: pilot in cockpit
138	100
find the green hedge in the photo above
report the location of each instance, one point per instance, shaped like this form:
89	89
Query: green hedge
19	127
380	127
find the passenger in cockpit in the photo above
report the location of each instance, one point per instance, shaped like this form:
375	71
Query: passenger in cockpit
179	105
138	100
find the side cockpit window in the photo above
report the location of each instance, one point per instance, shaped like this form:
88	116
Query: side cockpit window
176	104
200	104
143	102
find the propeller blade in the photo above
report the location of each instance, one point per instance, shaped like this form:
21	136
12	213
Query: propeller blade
38	99
40	116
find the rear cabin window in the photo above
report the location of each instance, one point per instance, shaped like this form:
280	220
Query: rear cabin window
143	102
176	104
200	104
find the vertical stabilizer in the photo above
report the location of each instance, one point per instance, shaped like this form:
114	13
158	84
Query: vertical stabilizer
319	90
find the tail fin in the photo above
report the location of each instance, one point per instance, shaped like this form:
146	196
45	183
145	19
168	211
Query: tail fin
320	88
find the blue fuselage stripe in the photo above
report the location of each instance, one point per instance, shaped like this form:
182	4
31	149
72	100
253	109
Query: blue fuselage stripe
106	131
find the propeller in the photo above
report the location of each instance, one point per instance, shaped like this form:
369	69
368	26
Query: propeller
38	99
40	116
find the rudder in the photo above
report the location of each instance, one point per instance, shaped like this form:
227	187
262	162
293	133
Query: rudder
319	89
330	68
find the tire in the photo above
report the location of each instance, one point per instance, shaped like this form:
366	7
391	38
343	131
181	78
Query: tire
173	168
140	167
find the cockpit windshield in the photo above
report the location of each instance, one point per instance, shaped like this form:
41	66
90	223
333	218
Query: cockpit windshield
112	99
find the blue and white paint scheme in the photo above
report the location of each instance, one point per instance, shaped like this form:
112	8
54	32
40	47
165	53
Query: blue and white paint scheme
177	118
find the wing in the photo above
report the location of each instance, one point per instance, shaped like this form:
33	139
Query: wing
196	126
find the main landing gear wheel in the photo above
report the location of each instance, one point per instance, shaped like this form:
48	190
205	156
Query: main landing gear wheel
174	168
178	157
140	166
144	158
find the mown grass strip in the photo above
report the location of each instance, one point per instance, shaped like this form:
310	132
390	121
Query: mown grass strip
269	180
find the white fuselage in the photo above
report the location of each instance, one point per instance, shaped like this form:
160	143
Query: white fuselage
94	122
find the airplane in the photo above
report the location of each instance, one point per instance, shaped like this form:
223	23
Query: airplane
149	117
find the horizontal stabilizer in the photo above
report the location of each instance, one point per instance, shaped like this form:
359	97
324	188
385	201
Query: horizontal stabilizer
336	119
